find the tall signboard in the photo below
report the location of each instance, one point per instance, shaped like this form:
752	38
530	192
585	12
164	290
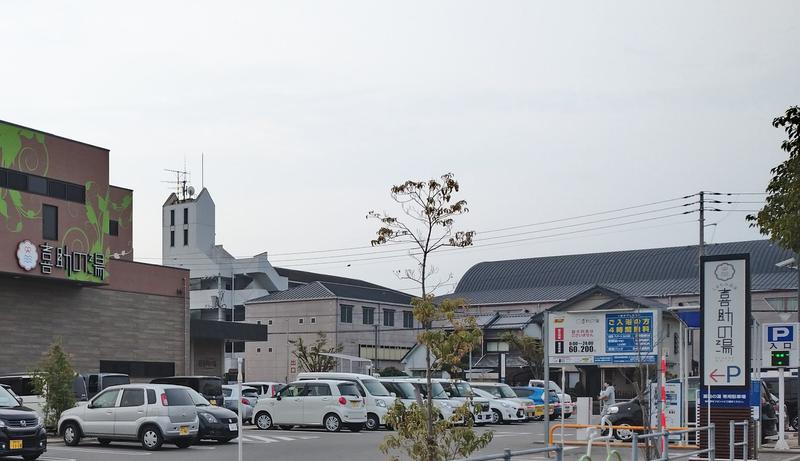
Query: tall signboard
603	337
724	344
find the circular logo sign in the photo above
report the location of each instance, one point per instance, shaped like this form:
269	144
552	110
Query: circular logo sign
27	255
724	272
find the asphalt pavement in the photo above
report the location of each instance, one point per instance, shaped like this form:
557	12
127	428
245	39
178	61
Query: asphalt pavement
319	445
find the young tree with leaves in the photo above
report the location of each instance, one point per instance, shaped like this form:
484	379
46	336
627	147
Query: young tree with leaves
53	379
429	210
779	219
530	349
310	358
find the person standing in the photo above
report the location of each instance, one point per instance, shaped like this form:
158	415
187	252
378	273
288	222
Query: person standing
607	396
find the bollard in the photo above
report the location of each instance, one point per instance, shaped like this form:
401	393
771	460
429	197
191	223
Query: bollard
559	453
634	447
665	454
507	455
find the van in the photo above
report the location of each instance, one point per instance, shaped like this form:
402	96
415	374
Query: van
96	382
210	387
22	385
378	399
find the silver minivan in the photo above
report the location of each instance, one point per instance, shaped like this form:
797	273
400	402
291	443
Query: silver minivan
149	413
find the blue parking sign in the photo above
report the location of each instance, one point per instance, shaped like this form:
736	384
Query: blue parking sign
780	333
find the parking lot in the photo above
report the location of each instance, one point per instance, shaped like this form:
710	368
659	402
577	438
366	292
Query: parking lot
319	445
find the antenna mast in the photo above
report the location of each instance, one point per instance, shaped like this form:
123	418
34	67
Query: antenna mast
180	183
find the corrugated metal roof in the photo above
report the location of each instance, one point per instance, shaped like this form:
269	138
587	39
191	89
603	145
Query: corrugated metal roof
646	273
511	322
297	276
328	290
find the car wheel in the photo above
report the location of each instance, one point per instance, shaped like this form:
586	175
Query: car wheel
332	422
104	442
356	427
151	438
373	423
71	434
286	427
622	433
183	443
264	421
497	417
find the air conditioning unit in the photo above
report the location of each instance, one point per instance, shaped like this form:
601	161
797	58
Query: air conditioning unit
214	302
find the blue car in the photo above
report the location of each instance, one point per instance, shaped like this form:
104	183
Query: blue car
537	395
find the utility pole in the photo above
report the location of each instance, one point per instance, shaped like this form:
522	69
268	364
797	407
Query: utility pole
701	249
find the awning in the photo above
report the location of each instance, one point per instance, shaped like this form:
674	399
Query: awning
236	331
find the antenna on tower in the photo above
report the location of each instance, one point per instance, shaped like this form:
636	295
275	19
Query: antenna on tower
180	183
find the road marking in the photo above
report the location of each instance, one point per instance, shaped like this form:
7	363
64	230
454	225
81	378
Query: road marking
303	437
288	439
50	458
111	452
258	437
198	447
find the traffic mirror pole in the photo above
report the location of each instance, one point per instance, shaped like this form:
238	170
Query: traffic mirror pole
781	443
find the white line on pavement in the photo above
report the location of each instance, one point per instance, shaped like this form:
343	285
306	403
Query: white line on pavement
287	439
258	437
111	452
198	447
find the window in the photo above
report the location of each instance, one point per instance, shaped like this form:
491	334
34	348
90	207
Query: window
18	181
783	304
113	227
300	321
313	320
3	178
135	369
269	322
106	400
37	185
171	217
172	238
388	317
92	385
269	349
76	193
258	349
368	315
408	319
497	346
185	237
318	390
49	222
292	390
177	397
346	313
151	396
57	189
186	216
234	346
132	398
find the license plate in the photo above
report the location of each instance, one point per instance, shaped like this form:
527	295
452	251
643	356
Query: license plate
354	404
212	402
16	445
184	430
233	427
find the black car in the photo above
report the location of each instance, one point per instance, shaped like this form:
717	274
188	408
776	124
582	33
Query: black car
209	387
216	423
789	398
21	430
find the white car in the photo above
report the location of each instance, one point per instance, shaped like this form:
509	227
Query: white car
440	399
376	397
564	399
505	392
265	388
462	391
150	413
328	403
503	411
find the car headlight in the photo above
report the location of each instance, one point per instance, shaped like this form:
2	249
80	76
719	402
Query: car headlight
210	418
380	403
612	410
2	424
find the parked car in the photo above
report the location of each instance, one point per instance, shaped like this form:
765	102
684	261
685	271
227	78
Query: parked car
216	423
249	399
209	387
401	389
789	398
376	396
536	395
96	382
265	388
443	403
23	387
503	391
149	413
22	430
323	402
564	399
503	411
462	391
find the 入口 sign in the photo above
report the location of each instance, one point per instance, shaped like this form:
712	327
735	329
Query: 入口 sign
779	337
724	332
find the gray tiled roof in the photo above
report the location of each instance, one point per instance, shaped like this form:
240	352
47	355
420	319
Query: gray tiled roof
644	273
329	290
511	321
297	276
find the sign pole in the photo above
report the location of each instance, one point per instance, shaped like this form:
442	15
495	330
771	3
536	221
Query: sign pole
546	377
781	443
239	406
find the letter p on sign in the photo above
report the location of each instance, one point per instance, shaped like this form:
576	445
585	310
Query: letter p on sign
780	334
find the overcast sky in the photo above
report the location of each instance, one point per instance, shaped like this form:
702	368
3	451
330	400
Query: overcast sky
307	111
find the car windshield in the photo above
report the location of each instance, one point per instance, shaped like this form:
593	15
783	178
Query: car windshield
523	391
405	390
482	393
375	387
7	399
210	386
348	389
506	392
198	399
464	389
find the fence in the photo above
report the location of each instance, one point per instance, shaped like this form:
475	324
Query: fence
507	455
733	443
664	435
